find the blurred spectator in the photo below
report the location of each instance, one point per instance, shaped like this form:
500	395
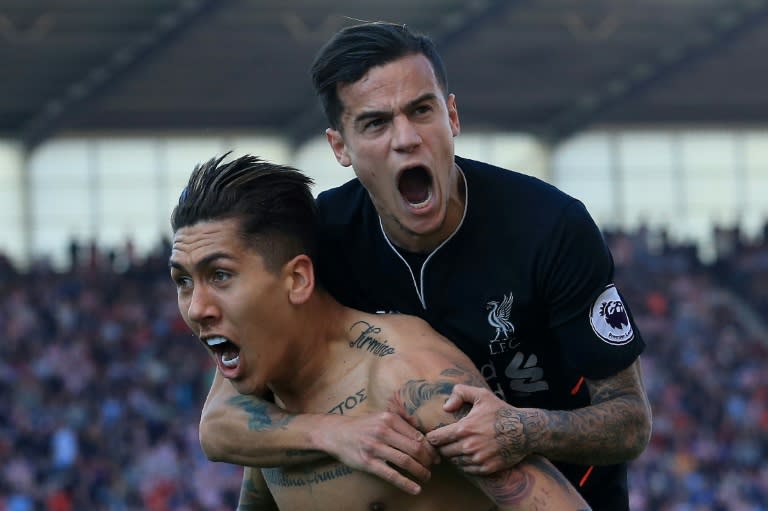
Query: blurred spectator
101	387
101	390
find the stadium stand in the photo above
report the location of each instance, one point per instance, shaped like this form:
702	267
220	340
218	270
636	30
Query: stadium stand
101	383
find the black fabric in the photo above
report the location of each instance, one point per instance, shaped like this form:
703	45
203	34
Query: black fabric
513	288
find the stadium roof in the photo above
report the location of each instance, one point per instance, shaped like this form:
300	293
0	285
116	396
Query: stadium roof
551	67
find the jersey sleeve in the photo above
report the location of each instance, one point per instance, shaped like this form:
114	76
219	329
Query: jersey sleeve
591	321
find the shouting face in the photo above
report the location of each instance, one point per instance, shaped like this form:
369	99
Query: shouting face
236	307
397	130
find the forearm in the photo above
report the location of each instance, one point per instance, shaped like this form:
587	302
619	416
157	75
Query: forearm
533	484
615	428
600	434
249	431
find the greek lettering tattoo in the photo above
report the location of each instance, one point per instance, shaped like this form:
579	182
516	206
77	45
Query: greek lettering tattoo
277	477
366	340
350	402
259	415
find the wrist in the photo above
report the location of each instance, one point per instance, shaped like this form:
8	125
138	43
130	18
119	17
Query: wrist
534	435
553	435
317	434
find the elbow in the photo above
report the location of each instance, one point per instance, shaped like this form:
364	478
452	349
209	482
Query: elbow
643	429
209	441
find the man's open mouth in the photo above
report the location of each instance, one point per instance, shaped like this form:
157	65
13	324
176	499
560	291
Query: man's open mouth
415	186
226	351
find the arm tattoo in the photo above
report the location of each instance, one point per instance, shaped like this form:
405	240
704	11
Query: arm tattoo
551	471
253	497
260	417
516	485
615	427
623	385
514	431
415	393
465	375
509	487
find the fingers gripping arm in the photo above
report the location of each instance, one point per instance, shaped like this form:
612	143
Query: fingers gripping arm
614	428
533	484
246	430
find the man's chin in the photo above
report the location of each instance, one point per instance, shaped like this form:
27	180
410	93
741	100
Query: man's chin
249	389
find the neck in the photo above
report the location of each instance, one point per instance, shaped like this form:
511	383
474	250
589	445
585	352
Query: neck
319	356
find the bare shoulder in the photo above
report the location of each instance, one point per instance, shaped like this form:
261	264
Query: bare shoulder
411	334
421	373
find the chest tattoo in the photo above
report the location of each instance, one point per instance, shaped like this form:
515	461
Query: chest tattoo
367	340
350	402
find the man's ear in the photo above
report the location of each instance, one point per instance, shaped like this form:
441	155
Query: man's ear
453	115
299	278
336	141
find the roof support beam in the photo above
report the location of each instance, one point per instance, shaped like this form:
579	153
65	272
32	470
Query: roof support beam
58	110
454	25
639	77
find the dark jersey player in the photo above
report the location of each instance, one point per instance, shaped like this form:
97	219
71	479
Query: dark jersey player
500	289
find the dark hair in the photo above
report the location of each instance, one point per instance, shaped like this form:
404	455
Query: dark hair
273	203
356	49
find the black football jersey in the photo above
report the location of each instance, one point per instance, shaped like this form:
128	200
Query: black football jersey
524	287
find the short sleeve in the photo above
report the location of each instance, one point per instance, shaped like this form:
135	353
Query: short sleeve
589	318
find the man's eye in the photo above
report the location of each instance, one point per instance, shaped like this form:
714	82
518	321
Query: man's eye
220	275
373	124
183	282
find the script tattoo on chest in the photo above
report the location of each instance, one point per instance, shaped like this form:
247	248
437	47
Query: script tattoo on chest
278	477
350	402
367	341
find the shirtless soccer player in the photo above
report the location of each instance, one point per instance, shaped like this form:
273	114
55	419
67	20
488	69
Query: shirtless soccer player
244	238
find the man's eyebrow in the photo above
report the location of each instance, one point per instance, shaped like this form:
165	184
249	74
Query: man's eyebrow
427	96
202	263
372	114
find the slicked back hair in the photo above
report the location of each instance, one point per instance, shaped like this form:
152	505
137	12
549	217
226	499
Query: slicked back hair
272	203
349	54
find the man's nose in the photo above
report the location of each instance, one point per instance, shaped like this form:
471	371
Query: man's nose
405	137
201	307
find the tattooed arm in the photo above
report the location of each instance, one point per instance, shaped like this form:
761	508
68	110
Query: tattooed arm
246	430
254	493
616	427
534	484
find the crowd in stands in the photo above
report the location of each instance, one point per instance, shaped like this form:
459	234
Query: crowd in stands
101	383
